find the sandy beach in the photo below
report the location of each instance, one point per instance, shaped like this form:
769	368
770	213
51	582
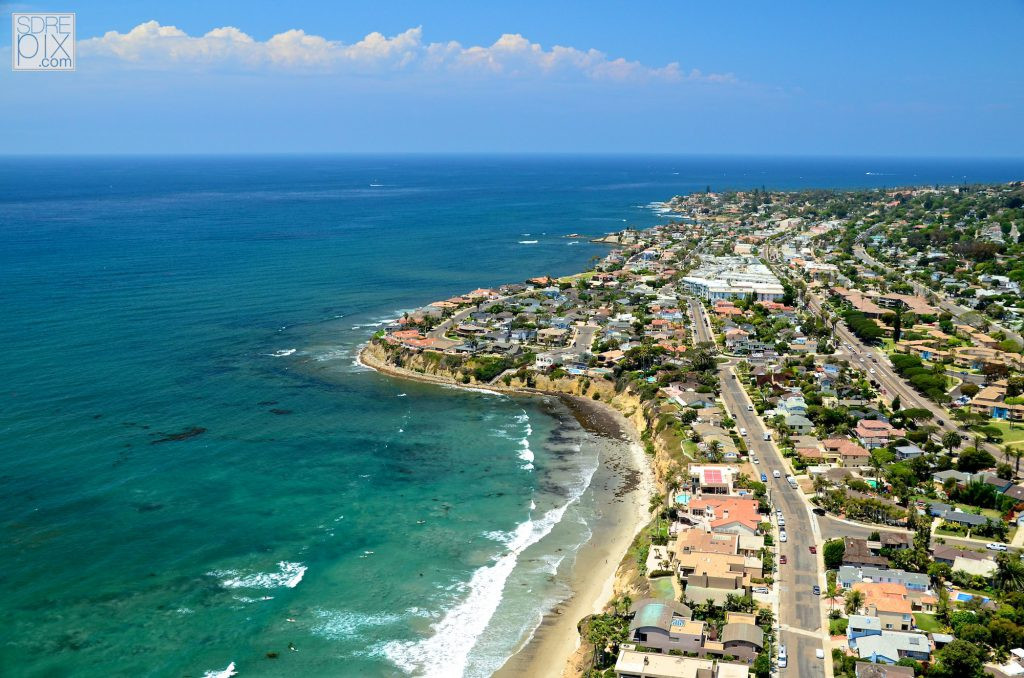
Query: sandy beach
628	484
625	483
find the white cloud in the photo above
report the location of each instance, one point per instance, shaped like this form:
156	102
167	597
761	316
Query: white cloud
512	55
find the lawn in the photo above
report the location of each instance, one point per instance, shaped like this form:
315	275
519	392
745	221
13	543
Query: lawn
1013	433
927	623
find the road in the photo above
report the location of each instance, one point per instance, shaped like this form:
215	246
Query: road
799	609
699	320
833	528
893	383
584	338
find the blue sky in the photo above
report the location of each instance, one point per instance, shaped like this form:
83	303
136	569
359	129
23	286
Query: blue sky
782	78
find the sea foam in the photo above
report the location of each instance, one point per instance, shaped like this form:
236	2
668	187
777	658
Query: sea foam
288	575
225	673
446	653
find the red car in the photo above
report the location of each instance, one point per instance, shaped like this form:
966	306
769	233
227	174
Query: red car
814	549
782	560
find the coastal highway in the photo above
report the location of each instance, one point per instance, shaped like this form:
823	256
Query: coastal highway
800	617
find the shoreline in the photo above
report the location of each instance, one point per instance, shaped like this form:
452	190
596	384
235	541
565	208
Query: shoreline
551	647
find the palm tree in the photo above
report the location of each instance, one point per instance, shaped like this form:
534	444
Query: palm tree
854	601
714	450
1009	573
1016	453
819	484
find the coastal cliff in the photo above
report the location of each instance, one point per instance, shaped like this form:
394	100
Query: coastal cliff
637	422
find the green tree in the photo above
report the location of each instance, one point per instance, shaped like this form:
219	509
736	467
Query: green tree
762	665
974	459
960	659
854	601
833	554
951	440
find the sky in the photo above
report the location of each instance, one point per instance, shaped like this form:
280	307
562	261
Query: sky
874	78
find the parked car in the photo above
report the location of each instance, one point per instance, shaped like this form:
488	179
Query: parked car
760	589
783	560
743	431
995	546
812	549
783	658
754	459
819	653
764	478
816	590
782	536
750	408
767	435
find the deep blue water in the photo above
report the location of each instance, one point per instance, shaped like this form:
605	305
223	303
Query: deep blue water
323	506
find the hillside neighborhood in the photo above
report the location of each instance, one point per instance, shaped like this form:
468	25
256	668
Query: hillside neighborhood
830	387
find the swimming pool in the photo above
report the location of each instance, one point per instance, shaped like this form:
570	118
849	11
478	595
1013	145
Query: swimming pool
961	597
683	498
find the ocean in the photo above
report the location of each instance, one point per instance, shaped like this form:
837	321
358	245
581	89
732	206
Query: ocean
196	473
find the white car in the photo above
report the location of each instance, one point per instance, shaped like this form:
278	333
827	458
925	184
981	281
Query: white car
743	431
750	408
760	589
819	653
872	370
776	473
995	546
783	658
782	536
755	460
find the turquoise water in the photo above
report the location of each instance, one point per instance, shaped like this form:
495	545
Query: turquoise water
194	471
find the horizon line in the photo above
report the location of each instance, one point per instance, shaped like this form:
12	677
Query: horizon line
507	154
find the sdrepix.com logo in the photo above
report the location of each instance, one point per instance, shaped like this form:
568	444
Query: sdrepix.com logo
43	41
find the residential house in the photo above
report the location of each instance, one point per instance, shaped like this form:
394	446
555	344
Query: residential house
741	636
846	452
859	625
858	555
848	577
634	664
943	553
976	568
904	452
889	647
665	625
889	602
870	670
873	433
712	479
799	423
